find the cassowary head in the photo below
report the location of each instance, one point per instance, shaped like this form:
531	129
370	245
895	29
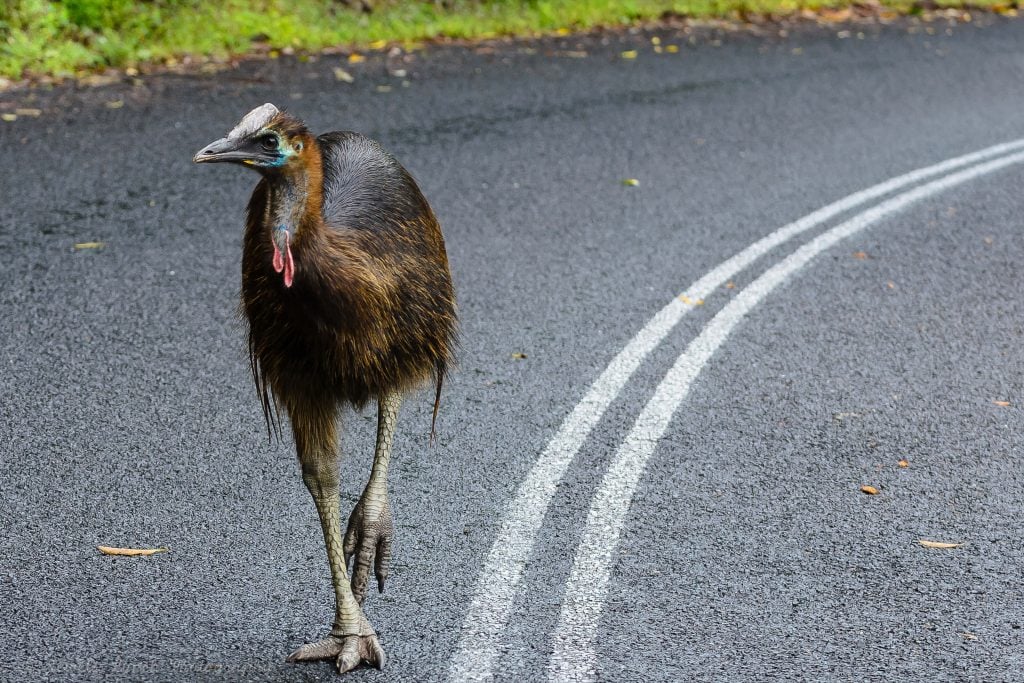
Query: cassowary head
283	150
266	139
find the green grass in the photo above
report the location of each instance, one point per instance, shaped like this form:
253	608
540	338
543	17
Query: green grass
67	37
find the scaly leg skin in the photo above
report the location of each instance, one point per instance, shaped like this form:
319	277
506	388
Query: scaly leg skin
352	640
370	528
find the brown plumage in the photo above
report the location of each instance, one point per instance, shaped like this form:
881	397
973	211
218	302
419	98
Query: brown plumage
371	309
348	298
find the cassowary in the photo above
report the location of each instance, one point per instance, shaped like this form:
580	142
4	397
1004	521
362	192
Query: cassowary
348	298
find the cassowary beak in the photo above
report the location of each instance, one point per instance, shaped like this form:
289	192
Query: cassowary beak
221	150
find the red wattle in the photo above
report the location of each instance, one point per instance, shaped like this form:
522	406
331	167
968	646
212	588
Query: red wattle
289	263
278	263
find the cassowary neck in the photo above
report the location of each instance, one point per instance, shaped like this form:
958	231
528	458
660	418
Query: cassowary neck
295	195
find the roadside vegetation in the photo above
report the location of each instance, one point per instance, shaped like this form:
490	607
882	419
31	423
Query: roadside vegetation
69	37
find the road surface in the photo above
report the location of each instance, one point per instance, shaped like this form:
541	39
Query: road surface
670	394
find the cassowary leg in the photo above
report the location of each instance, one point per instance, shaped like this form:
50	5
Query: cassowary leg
352	640
370	529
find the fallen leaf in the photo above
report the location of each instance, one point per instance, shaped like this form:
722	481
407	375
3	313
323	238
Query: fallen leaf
575	54
939	544
860	255
1002	404
691	302
988	240
562	31
655	40
967	635
903	463
115	104
378	44
356	58
90	245
342	75
630	182
672	48
383	88
890	284
129	552
9	117
730	285
870	490
518	355
28	111
629	54
835	16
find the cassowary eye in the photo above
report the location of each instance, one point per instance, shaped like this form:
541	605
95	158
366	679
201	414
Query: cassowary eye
269	142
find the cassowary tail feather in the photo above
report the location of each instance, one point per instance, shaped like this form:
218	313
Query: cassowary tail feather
440	370
271	414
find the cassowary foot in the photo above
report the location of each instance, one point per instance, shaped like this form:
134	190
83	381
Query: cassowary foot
348	652
368	538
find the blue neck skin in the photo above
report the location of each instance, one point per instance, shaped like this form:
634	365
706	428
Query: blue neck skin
287	205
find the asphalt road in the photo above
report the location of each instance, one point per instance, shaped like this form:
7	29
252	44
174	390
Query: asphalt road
746	550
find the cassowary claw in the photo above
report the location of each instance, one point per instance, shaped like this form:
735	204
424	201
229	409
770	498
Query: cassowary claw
347	651
368	539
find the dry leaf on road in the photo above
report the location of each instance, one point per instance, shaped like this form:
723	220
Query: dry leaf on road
90	245
939	544
129	552
1002	404
835	16
519	356
870	490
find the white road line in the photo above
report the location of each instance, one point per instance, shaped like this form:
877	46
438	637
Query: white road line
479	643
574	658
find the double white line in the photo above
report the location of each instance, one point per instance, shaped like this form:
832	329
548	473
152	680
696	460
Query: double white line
574	655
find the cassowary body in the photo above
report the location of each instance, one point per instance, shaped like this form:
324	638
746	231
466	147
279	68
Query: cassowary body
346	289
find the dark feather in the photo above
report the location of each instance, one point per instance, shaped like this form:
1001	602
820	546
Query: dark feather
372	309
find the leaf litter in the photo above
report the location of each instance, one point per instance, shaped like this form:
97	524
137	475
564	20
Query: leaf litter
129	552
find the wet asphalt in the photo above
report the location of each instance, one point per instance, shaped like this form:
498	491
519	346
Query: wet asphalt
749	552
